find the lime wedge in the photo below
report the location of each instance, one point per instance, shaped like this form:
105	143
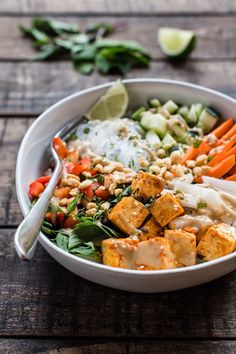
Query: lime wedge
176	43
113	104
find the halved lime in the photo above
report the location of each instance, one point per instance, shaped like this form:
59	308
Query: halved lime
113	104
176	43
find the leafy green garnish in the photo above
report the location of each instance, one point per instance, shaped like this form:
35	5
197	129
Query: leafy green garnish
125	193
202	205
87	50
197	143
86	130
73	136
72	205
62	241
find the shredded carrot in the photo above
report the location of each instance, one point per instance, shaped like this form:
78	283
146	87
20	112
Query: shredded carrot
223	153
231	178
230	133
222	167
223	128
189	155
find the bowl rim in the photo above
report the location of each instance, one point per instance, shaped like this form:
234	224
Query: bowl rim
44	239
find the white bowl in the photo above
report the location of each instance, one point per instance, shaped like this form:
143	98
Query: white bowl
31	163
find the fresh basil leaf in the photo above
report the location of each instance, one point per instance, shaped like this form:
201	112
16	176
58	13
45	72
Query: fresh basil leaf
63	43
62	241
94	257
96	26
89	230
40	37
54	28
85	68
47	52
81	38
130	45
73	204
87	54
74	241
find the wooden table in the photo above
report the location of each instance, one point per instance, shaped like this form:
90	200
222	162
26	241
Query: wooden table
45	308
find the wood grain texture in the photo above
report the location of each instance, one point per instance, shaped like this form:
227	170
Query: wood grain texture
72	346
41	298
30	88
11	134
117	7
216	38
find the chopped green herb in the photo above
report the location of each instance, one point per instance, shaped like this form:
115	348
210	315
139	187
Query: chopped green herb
86	130
73	136
202	205
100	178
197	143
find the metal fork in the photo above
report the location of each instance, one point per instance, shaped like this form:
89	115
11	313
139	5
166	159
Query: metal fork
26	235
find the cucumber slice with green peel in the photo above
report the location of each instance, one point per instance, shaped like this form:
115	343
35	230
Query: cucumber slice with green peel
194	113
183	111
177	125
137	115
153	138
154	103
176	43
207	120
171	106
155	122
168	141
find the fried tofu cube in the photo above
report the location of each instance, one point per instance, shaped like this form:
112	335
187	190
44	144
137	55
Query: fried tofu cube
183	245
128	215
146	255
145	185
150	229
110	252
218	241
154	254
166	208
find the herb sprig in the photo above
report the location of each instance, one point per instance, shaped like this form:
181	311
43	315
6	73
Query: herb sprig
88	49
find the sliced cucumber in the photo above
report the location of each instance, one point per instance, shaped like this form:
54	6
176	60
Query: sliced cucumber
168	141
171	106
207	120
154	122
153	138
176	43
194	113
138	113
177	125
183	111
154	103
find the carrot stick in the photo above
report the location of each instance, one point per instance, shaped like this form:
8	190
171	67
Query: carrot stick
222	167
205	146
189	155
221	155
231	178
233	170
230	133
223	128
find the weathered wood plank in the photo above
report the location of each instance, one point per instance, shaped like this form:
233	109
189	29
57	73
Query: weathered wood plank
72	346
40	298
11	134
117	7
215	37
32	87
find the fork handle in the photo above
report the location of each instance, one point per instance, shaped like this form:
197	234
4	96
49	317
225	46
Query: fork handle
26	235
